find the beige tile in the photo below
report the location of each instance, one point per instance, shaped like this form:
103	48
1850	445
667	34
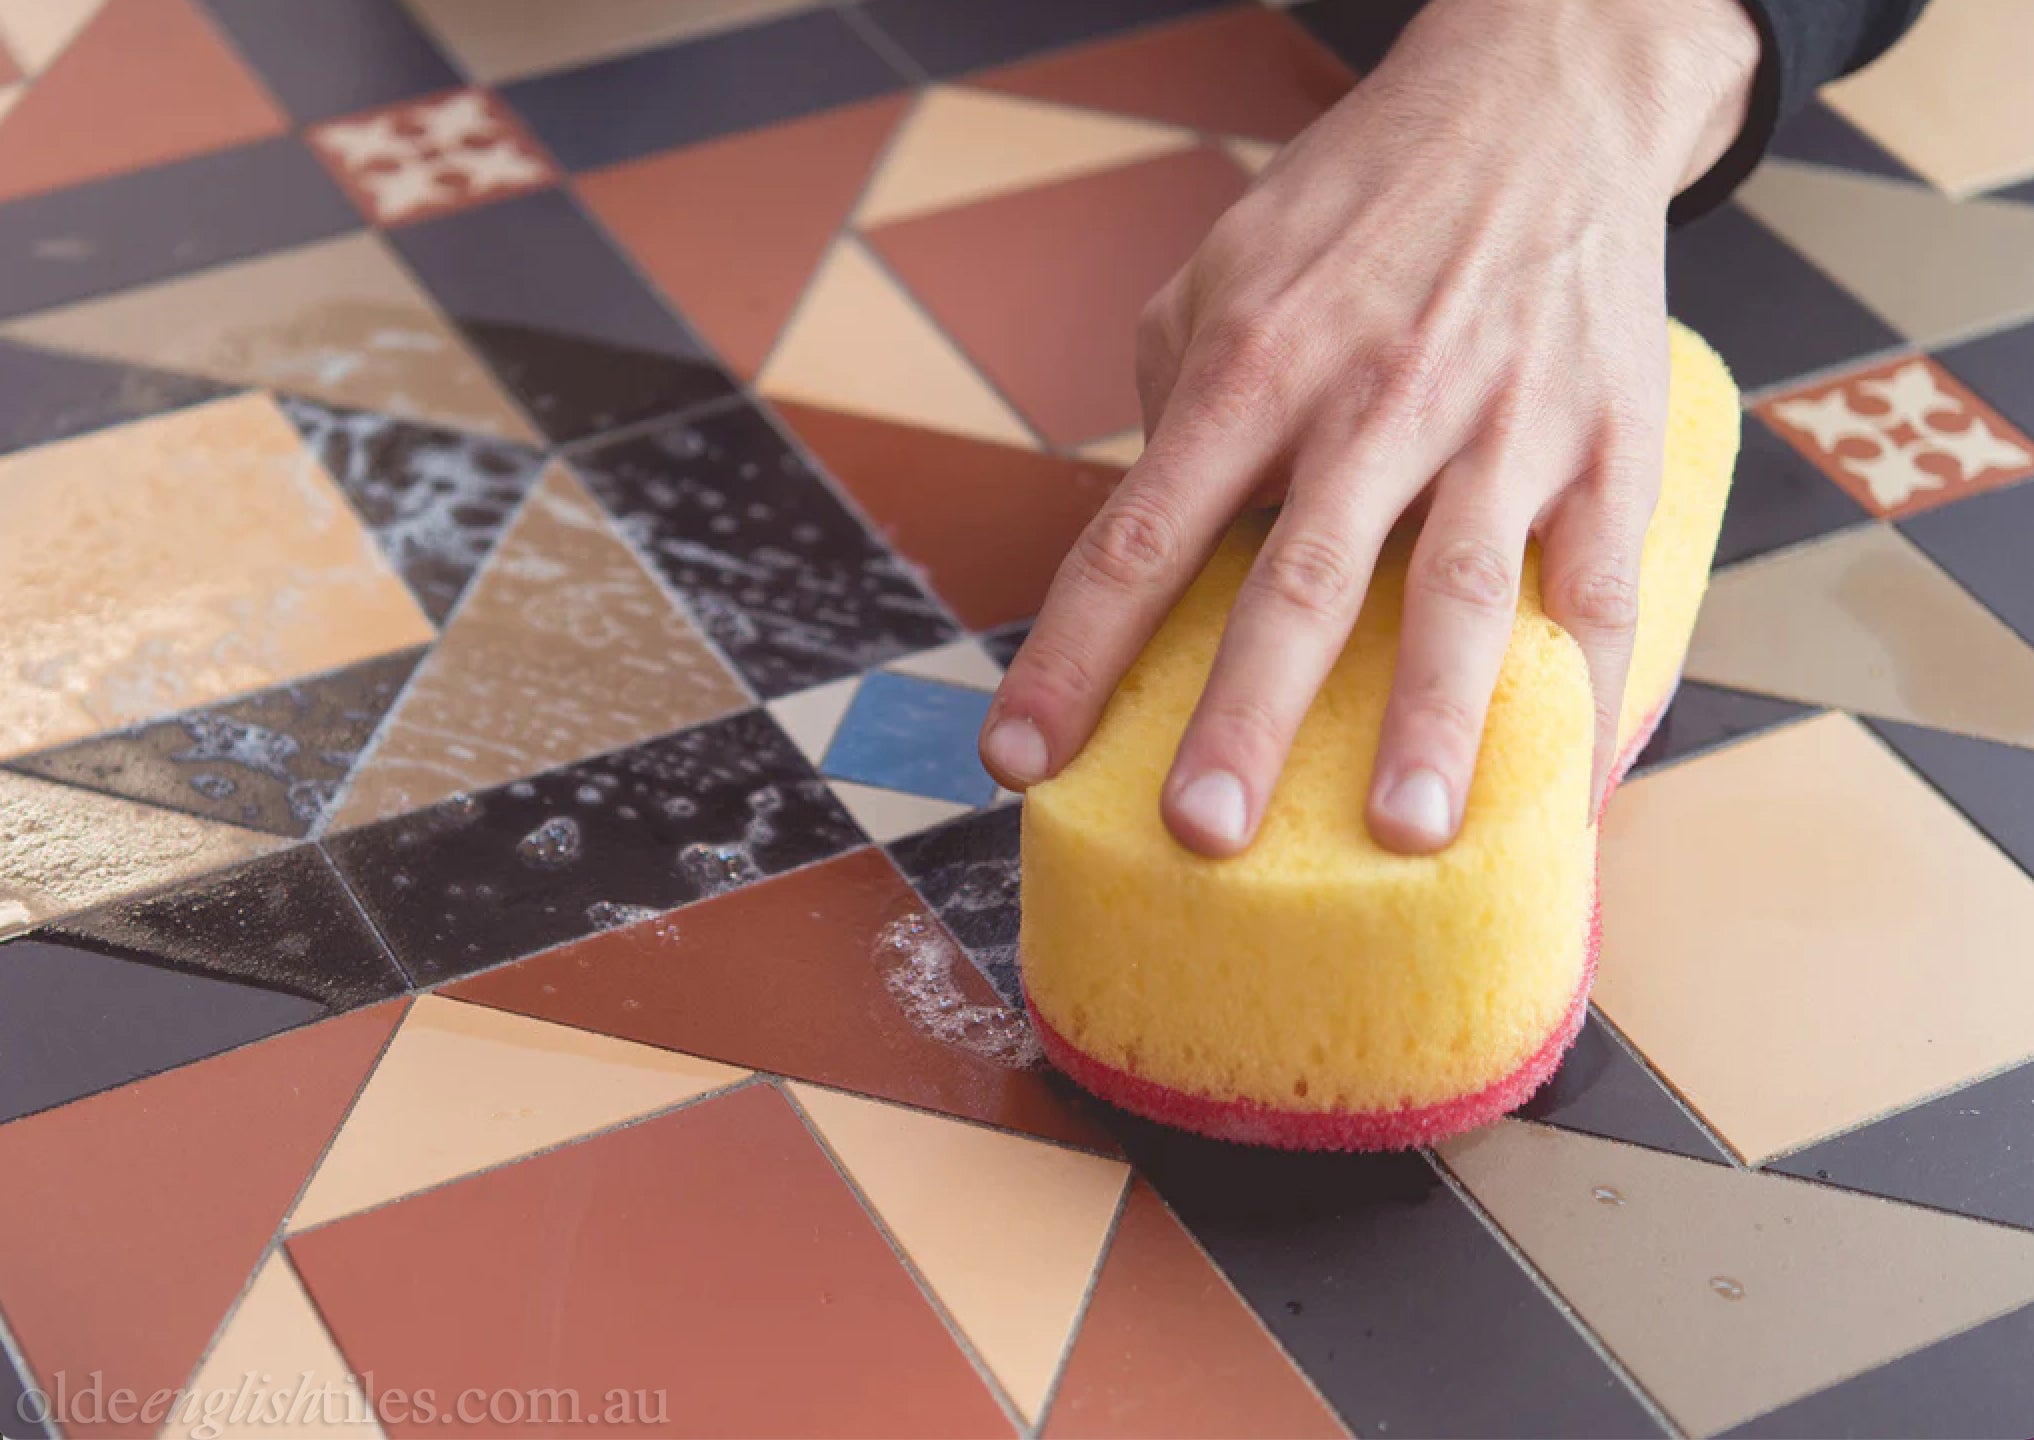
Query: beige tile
1863	621
500	40
887	815
175	561
339	320
1933	269
1123	449
963	663
35	32
1252	155
811	717
1802	935
1007	1231
464	1088
63	849
565	647
961	145
1952	99
1728	1293
859	343
301	1386
8	95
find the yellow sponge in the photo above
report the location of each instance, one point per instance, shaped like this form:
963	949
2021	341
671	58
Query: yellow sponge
1318	991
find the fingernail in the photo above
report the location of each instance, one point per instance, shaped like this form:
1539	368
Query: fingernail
1214	805
1419	802
1017	749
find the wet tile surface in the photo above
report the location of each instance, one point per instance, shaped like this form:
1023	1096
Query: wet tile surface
1602	1088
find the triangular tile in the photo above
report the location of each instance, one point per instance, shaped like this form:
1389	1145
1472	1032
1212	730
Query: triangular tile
1602	1089
810	717
887	815
962	145
1728	1292
1006	1231
731	254
45	396
1993	785
1702	717
1862	621
153	1204
336	320
566	647
1931	267
1121	451
859	343
35	32
463	1088
964	663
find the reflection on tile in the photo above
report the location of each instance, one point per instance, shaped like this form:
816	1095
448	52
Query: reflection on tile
1703	717
1166	1348
154	1203
565	648
337	56
1991	784
1778	497
719	1263
1601	1090
483	878
1983	546
635	105
780	575
1820	136
46	396
338	321
988	524
734	256
905	733
1863	962
273	761
1727	1292
420	158
1862	621
1006	1231
463	1089
1050	318
546	299
945	39
507	39
845	1010
967	872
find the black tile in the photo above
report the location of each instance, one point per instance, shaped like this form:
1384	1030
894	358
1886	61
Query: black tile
131	229
559	314
2022	193
436	500
1703	717
1822	137
488	877
1987	543
1990	783
1409	1316
1360	31
1778	498
946	39
1601	1090
679	94
20	1417
1003	644
2000	368
271	761
1768	312
780	573
335	56
1973	1386
967	871
47	396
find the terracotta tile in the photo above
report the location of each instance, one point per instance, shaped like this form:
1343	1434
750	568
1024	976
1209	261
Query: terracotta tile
154	1203
1728	1292
1242	71
565	648
987	524
1951	99
9	70
732	251
716	1262
338	320
419	158
1865	959
507	39
1007	1232
145	81
811	940
1862	621
1050	314
1167	1348
463	1088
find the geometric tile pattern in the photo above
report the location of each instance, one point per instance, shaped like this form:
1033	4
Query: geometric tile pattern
422	158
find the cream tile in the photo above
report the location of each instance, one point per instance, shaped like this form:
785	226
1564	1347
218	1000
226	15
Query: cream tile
1952	99
508	39
1802	935
1122	450
1863	621
1007	1231
1728	1293
464	1088
811	717
37	31
1252	155
887	815
964	662
176	561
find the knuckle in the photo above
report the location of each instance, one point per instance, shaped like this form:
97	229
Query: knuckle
1053	671
1245	727
1249	354
1313	576
1470	572
1130	545
1444	714
1410	375
1601	600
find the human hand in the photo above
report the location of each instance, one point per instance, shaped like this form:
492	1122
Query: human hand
1449	291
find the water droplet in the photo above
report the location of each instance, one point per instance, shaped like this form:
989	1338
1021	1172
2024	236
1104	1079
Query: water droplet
609	915
1293	1307
1728	1288
589	795
681	807
459	806
523	790
213	787
553	844
715	868
1604	1195
631	1003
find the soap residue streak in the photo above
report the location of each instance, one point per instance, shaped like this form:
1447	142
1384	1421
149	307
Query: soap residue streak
918	970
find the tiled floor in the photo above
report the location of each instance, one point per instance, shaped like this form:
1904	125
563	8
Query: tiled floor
509	517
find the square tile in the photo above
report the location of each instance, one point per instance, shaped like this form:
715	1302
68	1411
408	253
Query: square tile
1991	784
499	40
946	39
2000	368
422	158
914	735
1984	545
337	56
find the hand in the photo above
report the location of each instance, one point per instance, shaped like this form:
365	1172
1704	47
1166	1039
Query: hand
1449	290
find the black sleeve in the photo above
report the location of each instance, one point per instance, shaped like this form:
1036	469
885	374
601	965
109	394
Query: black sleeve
1802	44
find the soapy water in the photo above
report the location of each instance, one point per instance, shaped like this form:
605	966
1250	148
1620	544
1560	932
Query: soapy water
716	869
918	959
552	845
613	915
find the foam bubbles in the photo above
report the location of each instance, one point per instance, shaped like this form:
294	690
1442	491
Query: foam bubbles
552	845
613	915
918	959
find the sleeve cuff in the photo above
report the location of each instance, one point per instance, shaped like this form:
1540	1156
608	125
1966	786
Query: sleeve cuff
1762	117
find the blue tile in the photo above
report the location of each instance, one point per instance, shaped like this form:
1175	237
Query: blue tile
904	733
335	56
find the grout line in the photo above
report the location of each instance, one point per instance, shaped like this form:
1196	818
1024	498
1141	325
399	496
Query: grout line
12	1354
650	424
1813	711
409	981
1681	1102
1081	1307
896	56
1871	724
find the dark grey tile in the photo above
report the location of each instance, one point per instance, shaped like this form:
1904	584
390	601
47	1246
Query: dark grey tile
171	220
1601	1089
1987	543
2022	193
47	396
483	878
335	56
272	761
1705	716
1003	644
1992	784
780	573
680	94
2000	368
1820	136
1360	31
967	871
1778	498
1973	1386
946	39
21	1418
560	315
